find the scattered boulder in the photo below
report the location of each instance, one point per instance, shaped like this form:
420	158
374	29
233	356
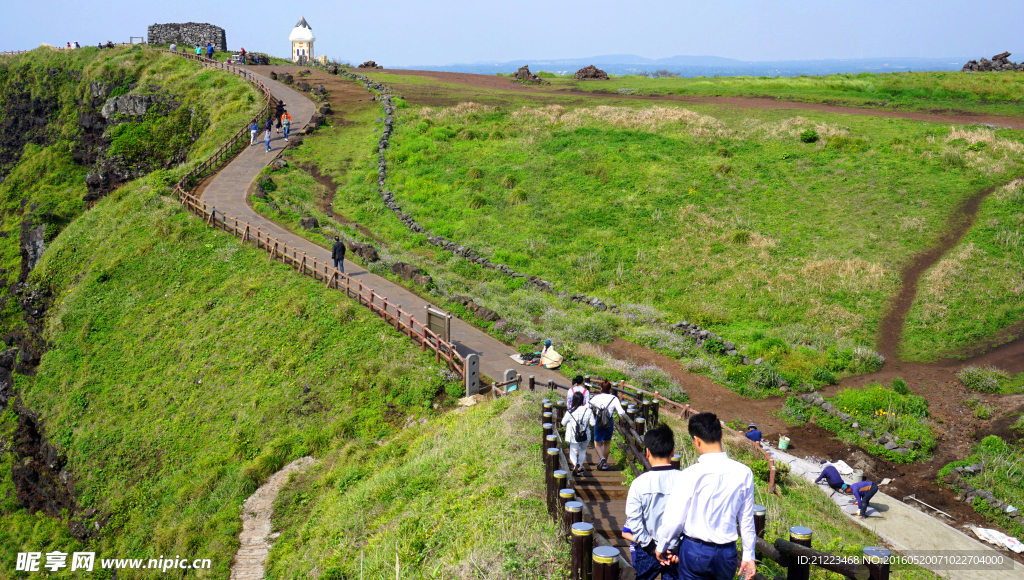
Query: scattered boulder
406	271
523	75
364	251
309	223
589	73
370	64
486	314
273	75
278	164
324	108
302	86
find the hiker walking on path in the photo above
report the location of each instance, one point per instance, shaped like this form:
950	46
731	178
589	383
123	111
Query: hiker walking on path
174	47
209	51
337	250
604	406
579	387
199	50
241	54
862	491
578	422
254	128
286	123
645	504
267	137
711	497
278	111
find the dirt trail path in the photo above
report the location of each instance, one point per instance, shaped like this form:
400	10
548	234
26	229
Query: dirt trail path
256	513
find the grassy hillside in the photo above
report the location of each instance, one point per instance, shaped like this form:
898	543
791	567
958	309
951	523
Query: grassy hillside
432	496
213	106
185	368
752	222
982	277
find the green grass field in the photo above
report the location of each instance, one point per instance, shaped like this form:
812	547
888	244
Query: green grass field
738	219
988	93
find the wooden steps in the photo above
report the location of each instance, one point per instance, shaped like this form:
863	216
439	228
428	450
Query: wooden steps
604	493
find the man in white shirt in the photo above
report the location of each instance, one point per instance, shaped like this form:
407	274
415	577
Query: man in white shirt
711	497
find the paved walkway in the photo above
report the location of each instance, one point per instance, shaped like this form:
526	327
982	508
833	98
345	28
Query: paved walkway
906	528
226	192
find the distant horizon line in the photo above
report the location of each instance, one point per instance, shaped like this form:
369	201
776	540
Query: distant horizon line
656	61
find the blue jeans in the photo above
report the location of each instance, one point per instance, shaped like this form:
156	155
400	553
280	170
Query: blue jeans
647	566
286	131
268	144
339	265
699	561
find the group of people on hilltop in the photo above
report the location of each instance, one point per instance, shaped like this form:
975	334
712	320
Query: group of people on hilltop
284	123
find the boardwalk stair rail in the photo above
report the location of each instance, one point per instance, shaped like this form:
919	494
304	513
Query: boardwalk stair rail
593	557
392	313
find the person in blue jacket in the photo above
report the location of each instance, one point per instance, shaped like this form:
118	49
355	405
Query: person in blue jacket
209	51
753	434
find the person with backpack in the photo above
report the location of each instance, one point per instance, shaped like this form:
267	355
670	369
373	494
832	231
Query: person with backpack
578	386
646	501
578	422
603	406
254	129
286	123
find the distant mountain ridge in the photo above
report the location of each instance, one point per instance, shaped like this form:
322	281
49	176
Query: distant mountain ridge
691	66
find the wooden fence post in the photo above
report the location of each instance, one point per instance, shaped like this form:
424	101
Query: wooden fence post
877	561
582	546
573	515
550	466
676	461
799	570
560	479
606	563
759	520
533	382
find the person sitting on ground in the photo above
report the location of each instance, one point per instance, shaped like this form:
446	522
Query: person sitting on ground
604	406
831	476
579	387
578	422
712	504
645	504
753	434
862	491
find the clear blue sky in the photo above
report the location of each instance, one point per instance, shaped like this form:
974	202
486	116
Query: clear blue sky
405	32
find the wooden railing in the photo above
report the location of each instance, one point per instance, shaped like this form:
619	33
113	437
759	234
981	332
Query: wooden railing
334	279
795	554
645	415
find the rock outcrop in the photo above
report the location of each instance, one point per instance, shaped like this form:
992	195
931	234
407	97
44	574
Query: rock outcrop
589	73
999	63
370	64
523	75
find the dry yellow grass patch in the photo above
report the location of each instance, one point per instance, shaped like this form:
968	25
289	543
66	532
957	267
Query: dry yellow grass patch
789	128
854	275
942	277
457	112
647	118
987	136
1009	189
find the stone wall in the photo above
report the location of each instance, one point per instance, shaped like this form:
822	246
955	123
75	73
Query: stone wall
188	34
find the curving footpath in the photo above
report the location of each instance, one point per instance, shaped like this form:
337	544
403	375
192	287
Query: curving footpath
227	193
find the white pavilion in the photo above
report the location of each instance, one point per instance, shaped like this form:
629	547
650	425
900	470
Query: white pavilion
302	38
